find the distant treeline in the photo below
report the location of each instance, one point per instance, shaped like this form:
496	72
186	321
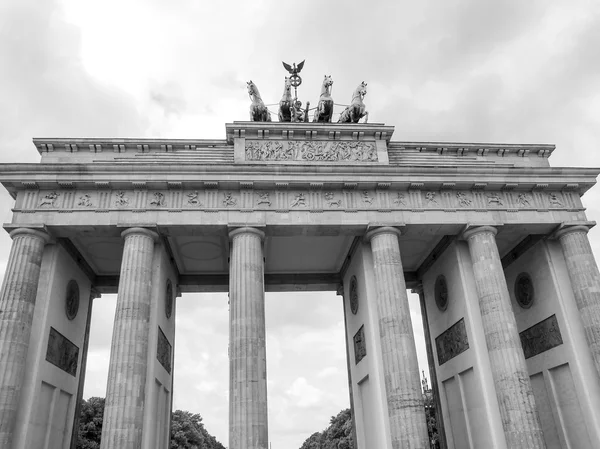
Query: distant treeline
187	429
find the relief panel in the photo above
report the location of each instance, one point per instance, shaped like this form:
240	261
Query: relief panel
62	353
452	342
541	337
311	151
164	351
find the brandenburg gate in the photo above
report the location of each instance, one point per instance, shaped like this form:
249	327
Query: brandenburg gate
492	238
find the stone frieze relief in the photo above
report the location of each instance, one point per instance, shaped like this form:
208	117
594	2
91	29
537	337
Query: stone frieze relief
311	151
281	199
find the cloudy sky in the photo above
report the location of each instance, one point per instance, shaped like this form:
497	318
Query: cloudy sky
508	71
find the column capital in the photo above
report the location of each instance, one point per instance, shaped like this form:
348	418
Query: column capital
246	230
479	230
39	233
569	229
382	230
142	231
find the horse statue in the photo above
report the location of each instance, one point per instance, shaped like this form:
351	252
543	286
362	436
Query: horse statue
258	110
356	110
286	103
324	109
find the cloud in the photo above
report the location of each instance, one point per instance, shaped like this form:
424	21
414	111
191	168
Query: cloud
304	394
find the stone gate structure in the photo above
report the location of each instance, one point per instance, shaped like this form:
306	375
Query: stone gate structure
491	237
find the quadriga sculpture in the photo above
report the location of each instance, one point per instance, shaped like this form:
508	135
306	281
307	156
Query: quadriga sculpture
258	110
324	109
357	109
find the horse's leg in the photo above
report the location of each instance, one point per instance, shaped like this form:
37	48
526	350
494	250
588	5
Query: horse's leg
366	116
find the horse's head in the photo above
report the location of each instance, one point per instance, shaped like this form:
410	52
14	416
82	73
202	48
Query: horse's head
287	86
251	88
360	91
327	81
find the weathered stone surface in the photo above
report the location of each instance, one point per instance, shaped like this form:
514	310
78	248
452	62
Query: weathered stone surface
164	351
585	280
62	352
17	304
452	342
541	337
518	411
124	409
399	354
360	347
248	427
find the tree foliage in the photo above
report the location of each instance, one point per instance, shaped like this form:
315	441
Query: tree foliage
339	433
188	432
90	423
337	436
187	429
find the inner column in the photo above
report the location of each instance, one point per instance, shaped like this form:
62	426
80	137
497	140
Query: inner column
519	414
248	428
400	366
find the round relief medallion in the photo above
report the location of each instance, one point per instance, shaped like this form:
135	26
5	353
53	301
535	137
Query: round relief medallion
353	295
524	290
169	299
72	300
441	292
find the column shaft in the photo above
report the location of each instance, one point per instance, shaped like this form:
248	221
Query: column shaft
400	367
125	395
248	428
585	280
17	304
518	411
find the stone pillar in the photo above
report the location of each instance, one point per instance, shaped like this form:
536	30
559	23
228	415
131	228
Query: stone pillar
248	428
518	411
585	280
400	367
125	394
17	304
432	373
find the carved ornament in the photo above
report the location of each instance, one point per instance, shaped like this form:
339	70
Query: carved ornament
524	292
62	352
164	351
312	151
360	346
452	342
353	295
541	337
72	300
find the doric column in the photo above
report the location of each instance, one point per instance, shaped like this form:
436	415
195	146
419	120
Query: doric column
17	303
125	394
400	367
518	411
248	427
585	280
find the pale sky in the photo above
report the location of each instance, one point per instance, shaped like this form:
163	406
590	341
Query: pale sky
507	71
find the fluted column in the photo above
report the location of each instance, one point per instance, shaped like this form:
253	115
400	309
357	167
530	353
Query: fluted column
585	280
124	408
248	427
400	367
518	411
17	304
